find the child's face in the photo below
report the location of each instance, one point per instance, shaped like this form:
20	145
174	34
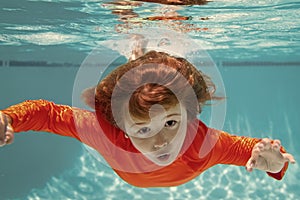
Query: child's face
160	138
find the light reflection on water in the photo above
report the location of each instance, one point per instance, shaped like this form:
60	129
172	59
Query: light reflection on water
244	29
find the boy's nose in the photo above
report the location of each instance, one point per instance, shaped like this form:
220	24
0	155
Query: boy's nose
160	141
159	146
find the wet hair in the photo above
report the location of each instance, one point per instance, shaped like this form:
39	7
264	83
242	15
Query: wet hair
150	79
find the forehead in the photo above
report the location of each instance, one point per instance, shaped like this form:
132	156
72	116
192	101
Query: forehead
158	112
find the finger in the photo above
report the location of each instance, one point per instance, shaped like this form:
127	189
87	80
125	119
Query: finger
6	130
266	143
253	159
289	158
250	165
9	135
256	152
276	145
9	139
2	127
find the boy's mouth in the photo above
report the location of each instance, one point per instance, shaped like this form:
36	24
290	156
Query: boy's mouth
163	157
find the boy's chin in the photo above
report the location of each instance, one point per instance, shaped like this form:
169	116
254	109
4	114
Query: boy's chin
163	160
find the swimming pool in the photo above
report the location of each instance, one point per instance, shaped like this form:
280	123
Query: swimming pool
255	46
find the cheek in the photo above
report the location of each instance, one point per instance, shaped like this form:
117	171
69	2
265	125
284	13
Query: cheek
170	134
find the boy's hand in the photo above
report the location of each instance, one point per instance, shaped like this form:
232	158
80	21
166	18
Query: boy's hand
266	156
6	130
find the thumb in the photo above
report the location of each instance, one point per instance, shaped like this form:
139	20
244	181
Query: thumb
289	158
253	159
250	164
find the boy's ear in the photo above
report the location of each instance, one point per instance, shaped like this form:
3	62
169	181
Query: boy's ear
88	96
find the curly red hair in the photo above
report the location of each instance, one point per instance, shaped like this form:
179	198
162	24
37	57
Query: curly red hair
164	72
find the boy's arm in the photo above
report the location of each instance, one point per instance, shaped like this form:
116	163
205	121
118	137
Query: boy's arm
42	115
249	152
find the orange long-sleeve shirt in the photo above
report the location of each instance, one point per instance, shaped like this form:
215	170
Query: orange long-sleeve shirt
208	148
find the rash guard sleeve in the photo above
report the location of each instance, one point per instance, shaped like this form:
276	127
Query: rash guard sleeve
45	116
236	150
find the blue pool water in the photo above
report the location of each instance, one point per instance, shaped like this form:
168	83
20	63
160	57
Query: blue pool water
255	46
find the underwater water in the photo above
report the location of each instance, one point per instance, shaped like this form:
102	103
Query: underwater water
254	45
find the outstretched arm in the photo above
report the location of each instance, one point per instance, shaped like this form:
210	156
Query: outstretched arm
253	153
42	115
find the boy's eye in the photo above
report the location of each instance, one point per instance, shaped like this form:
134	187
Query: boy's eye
144	130
170	123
